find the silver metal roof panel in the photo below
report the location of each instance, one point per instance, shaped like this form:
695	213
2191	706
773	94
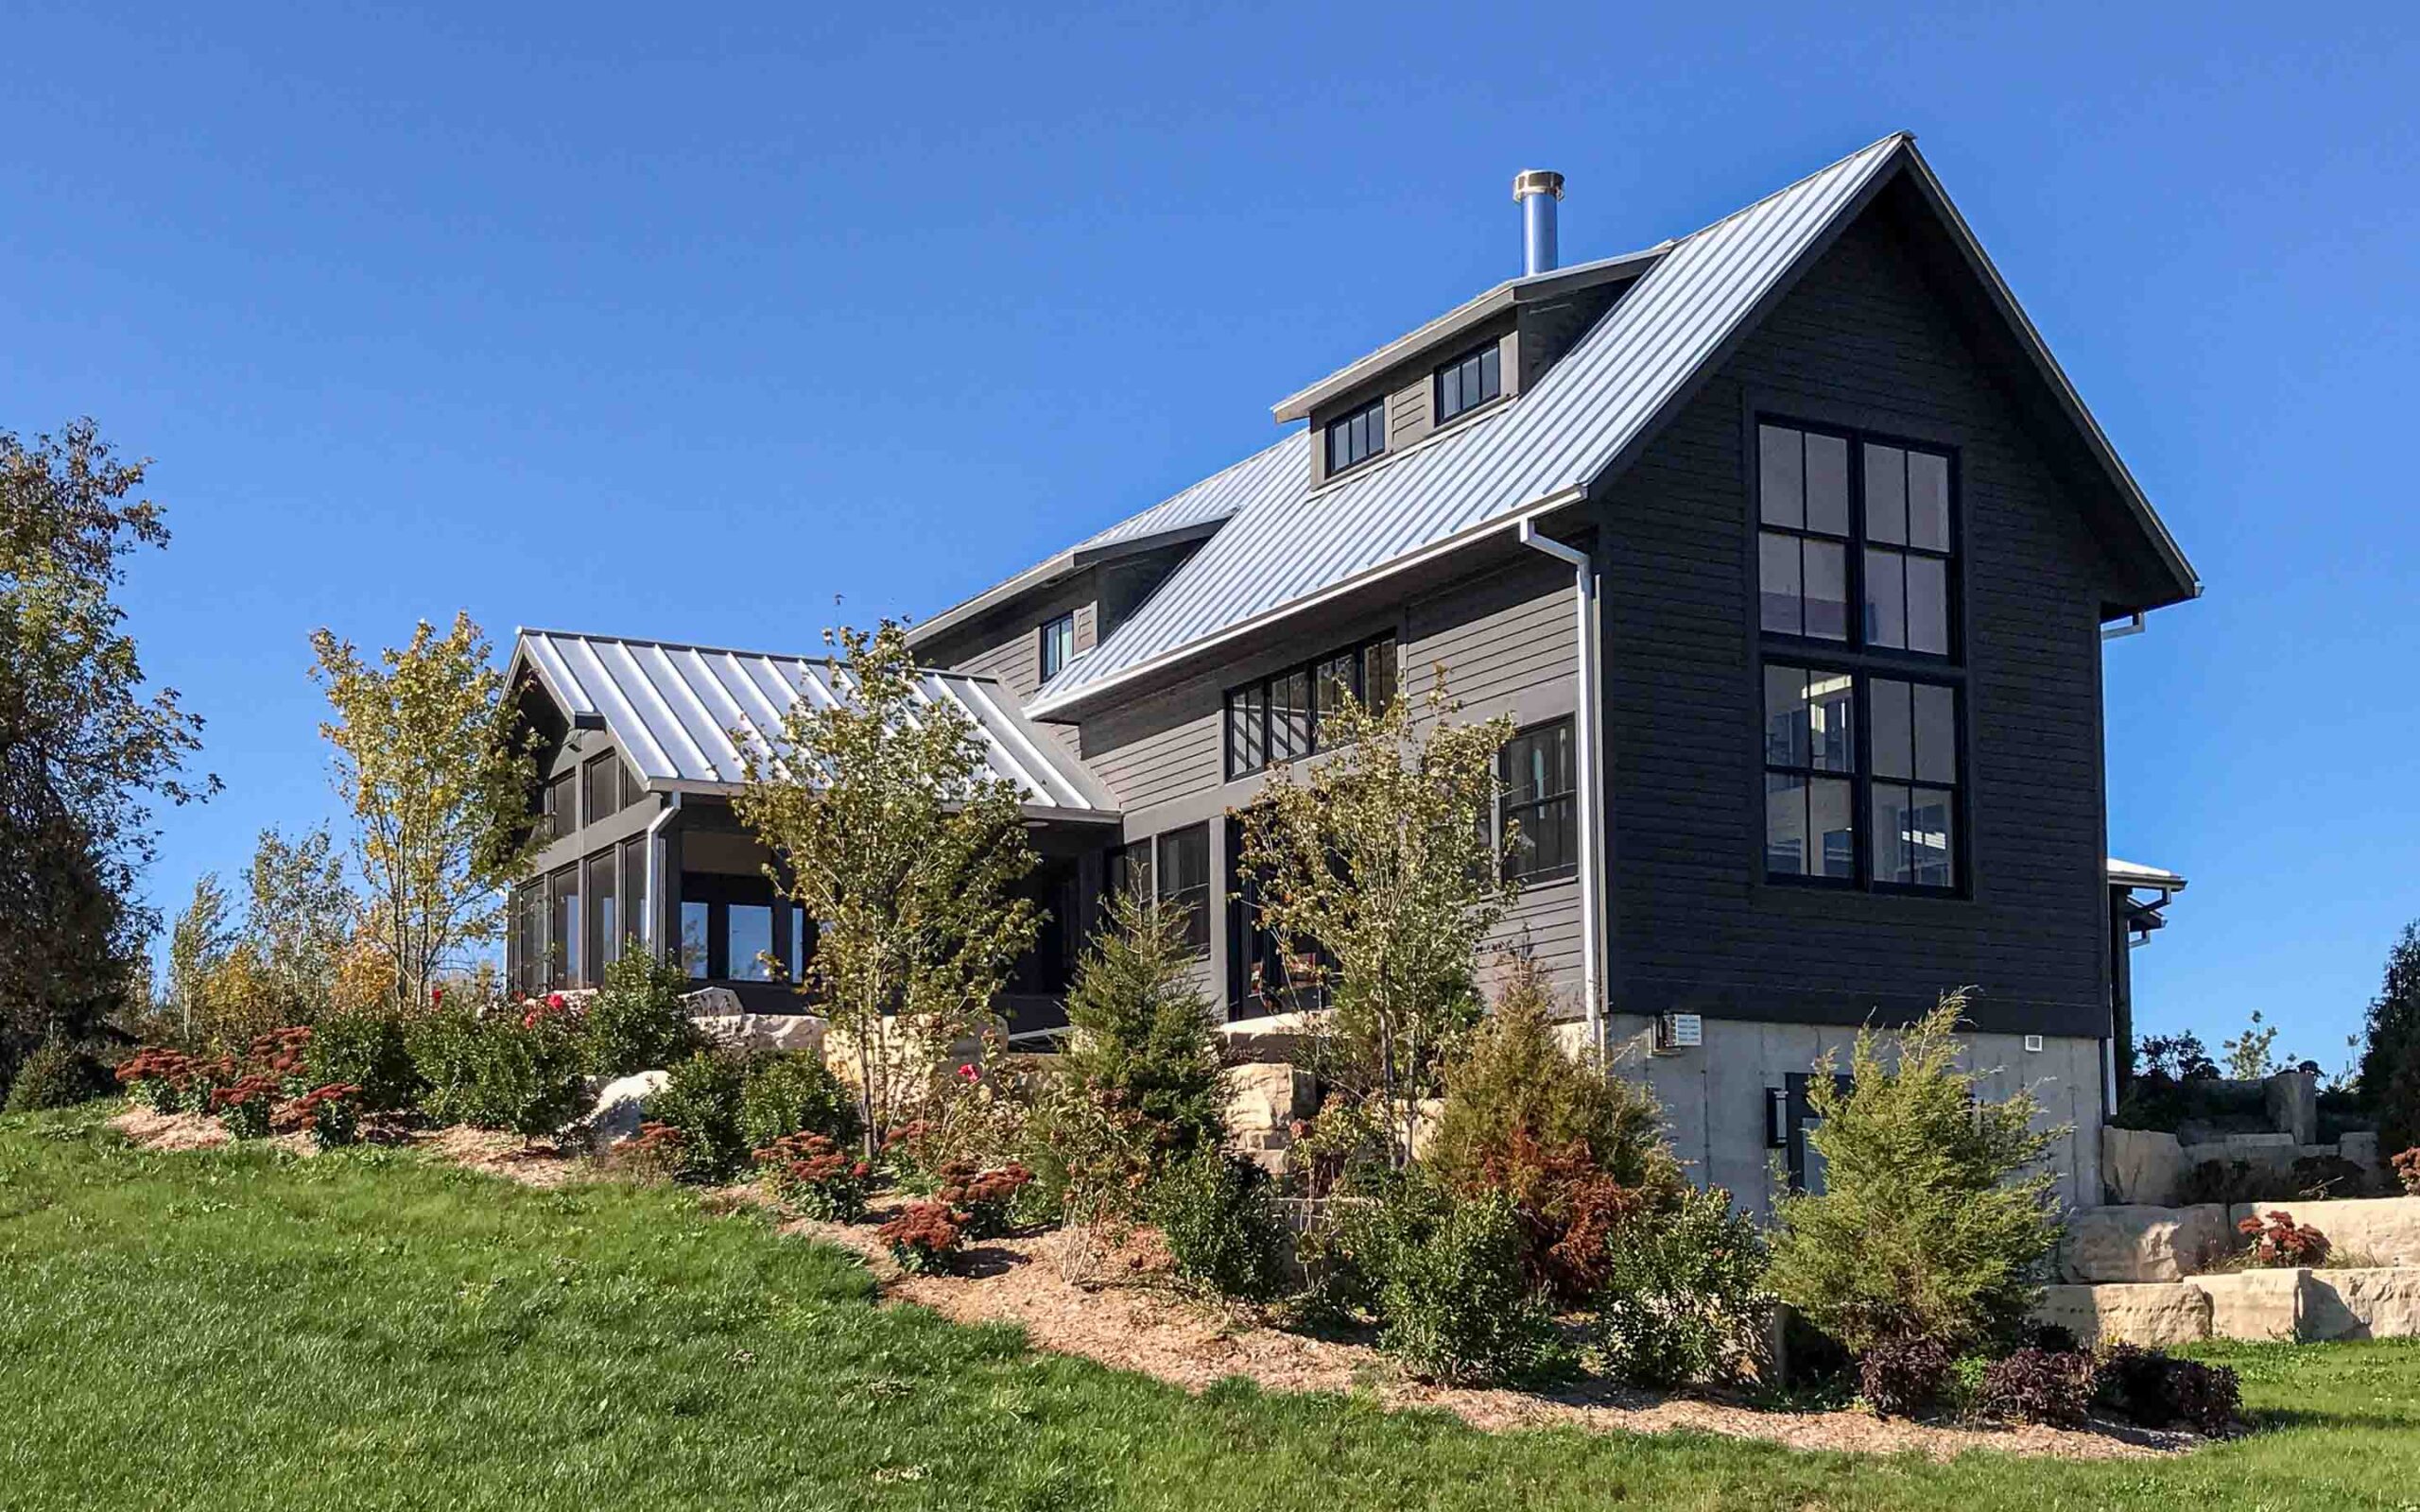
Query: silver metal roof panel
679	713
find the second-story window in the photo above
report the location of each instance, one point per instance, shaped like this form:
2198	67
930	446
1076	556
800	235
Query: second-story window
1816	555
1058	645
559	805
1537	788
1469	382
1358	437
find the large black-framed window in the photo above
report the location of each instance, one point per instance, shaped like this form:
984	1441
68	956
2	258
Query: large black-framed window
1264	976
559	806
1058	645
1538	789
1128	870
564	961
1279	718
1354	439
605	786
1183	876
1861	778
1848	519
1469	381
739	929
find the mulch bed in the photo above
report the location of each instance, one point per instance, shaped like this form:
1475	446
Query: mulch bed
1073	1294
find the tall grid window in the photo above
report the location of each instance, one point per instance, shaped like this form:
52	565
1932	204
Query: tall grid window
1356	437
1058	645
1469	382
1185	881
1862	694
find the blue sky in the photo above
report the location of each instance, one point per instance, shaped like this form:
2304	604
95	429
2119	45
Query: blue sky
558	313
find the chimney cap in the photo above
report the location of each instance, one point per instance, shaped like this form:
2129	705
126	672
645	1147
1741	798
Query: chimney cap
1536	182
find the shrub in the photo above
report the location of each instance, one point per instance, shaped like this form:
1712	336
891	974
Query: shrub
506	1071
922	1239
1221	1225
653	1154
1683	1298
56	1074
636	1022
1459	1307
982	1200
815	1175
701	1097
1574	1149
156	1077
244	1104
331	1114
365	1047
1930	1226
280	1053
2150	1388
1906	1375
2040	1386
1144	1039
795	1093
2407	1171
2282	1243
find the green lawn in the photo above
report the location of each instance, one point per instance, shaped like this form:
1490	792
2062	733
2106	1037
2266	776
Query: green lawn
246	1329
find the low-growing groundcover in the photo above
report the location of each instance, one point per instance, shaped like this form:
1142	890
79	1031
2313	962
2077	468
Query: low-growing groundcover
242	1327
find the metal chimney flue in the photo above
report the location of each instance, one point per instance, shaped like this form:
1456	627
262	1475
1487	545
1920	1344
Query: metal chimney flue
1536	190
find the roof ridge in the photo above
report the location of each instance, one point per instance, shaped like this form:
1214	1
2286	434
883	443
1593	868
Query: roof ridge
521	632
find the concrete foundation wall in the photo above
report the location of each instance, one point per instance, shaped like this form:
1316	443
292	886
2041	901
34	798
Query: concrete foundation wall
1714	1096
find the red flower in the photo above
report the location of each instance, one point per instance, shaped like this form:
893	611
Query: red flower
968	1074
554	1000
436	996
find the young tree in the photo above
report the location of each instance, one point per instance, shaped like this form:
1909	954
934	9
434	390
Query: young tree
83	748
199	941
300	911
2250	1055
431	762
1928	1227
898	841
1146	1042
1380	858
2389	1078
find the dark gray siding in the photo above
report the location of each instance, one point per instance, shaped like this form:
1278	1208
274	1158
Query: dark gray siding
1505	638
1861	341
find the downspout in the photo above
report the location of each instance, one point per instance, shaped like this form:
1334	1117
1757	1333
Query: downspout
1585	702
656	875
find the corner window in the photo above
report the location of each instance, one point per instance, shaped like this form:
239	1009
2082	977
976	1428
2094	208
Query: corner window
1185	881
1469	382
563	958
559	806
605	786
1537	789
1358	437
1860	779
1058	645
1284	716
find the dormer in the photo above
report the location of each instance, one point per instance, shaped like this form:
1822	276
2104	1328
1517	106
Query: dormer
1469	362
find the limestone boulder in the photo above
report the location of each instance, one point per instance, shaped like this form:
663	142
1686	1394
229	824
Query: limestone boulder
764	1031
1266	1098
2292	1098
620	1105
2380	1231
2141	1165
2136	1242
2257	1304
2365	1303
2145	1314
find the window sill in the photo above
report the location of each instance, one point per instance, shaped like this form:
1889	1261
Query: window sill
1557	878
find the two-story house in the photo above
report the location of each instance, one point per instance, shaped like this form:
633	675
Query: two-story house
1785	545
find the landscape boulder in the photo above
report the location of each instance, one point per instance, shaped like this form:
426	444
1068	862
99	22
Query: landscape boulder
2143	1243
2147	1313
620	1107
2141	1165
2368	1231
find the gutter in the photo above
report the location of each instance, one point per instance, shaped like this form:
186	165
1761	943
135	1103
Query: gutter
1586	699
656	875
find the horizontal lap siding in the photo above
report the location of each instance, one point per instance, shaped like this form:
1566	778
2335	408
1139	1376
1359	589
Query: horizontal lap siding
1694	927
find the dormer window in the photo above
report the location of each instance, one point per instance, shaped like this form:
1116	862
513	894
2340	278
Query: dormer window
1358	437
1058	645
1469	381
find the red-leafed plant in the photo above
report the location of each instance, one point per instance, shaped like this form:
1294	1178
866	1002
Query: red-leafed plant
656	1152
2406	1170
280	1051
816	1177
156	1077
982	1198
331	1114
244	1104
2279	1241
923	1238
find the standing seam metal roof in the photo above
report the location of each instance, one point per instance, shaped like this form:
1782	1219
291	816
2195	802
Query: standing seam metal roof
680	712
1290	543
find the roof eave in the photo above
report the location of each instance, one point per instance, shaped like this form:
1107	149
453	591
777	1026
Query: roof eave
1471	312
1056	570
